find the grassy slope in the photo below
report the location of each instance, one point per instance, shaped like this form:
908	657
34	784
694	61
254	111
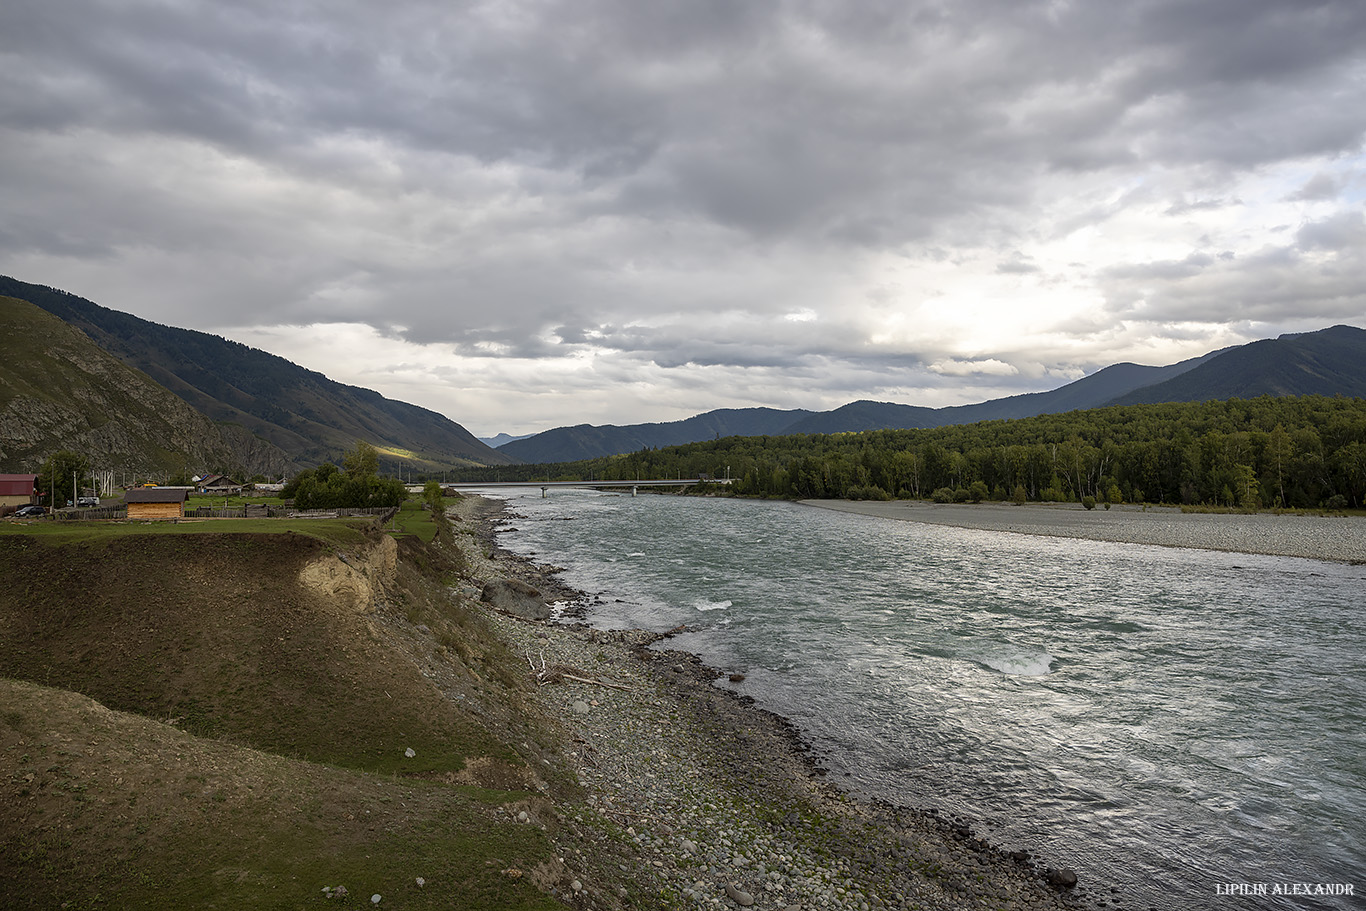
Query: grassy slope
102	809
58	390
246	743
307	415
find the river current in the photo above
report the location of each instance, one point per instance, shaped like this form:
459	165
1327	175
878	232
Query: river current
1186	728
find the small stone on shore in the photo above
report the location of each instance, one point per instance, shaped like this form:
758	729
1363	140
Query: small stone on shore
740	897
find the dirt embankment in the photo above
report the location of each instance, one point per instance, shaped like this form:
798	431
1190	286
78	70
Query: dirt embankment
229	720
355	581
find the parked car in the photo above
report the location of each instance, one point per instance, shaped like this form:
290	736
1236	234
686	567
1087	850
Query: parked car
28	512
87	502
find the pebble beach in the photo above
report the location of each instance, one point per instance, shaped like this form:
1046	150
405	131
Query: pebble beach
704	800
1328	537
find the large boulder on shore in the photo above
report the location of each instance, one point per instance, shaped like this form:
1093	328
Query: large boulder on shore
516	597
1062	879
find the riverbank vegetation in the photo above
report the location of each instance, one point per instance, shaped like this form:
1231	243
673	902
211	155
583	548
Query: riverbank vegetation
1268	452
356	485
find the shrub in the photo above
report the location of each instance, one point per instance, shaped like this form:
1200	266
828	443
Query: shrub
341	491
432	495
942	495
1089	502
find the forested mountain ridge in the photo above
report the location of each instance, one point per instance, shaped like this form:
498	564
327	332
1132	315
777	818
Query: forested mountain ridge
1328	362
1098	389
586	441
308	416
59	390
1272	451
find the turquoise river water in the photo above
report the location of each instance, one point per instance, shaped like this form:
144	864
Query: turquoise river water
1185	727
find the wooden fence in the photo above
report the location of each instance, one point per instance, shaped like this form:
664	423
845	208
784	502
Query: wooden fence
382	513
103	512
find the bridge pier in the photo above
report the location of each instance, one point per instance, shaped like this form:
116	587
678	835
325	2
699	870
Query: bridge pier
543	490
633	491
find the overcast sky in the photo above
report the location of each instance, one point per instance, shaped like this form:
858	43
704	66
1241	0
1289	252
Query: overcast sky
531	214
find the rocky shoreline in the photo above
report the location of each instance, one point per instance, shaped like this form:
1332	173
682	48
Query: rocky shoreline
693	797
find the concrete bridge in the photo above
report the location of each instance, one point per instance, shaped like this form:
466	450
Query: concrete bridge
545	486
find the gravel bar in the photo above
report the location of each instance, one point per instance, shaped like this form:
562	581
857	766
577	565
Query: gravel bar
694	798
1334	538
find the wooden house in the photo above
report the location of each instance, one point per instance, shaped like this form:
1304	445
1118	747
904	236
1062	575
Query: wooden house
156	502
217	484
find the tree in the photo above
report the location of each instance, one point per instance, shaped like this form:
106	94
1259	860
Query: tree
431	493
1248	491
309	476
62	475
1279	452
363	461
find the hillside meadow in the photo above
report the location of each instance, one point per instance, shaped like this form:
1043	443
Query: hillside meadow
237	714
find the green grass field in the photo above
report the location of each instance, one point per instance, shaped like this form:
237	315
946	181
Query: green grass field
339	532
413	519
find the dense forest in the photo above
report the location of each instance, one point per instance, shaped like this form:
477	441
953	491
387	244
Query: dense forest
1268	452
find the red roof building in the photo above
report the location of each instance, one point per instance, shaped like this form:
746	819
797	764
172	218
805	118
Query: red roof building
18	489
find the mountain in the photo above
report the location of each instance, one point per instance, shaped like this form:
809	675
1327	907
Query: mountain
565	444
305	414
503	439
1328	362
1094	391
865	415
585	441
59	390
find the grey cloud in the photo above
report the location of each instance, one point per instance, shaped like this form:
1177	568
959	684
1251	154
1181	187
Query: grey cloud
1320	272
1017	264
1199	205
1169	270
1344	232
1318	188
811	113
531	179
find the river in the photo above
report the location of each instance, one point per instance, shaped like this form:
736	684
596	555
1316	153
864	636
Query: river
1181	726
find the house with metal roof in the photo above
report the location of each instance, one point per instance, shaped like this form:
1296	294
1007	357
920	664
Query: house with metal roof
18	490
